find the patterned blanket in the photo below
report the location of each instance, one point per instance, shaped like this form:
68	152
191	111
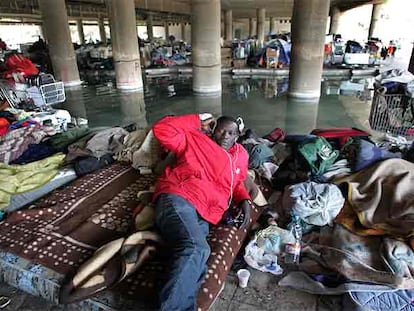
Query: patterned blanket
65	228
48	242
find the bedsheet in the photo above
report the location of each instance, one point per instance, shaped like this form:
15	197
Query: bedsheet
18	201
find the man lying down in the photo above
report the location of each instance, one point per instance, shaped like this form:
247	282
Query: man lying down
208	176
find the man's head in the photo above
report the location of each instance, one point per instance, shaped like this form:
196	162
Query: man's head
226	132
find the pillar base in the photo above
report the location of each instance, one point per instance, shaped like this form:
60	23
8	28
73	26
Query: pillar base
207	91
130	88
207	80
309	96
72	84
204	92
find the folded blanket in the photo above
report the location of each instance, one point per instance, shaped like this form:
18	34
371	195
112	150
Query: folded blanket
110	264
15	142
382	196
21	178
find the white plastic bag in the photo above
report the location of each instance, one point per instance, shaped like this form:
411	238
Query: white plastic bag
257	258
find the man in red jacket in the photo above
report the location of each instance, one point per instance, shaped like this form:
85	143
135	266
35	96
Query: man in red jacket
207	177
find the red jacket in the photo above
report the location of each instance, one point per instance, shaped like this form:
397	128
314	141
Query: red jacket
203	171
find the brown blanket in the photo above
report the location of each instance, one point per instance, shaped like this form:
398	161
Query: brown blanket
370	259
382	196
65	228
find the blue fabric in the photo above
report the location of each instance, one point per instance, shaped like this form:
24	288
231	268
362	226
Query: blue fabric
186	233
258	154
397	300
368	153
35	152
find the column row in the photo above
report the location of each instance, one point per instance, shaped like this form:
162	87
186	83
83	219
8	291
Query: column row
308	35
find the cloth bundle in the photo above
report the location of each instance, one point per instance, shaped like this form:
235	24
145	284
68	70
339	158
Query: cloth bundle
319	154
316	204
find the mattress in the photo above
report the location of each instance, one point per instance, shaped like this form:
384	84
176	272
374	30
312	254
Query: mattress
42	246
20	200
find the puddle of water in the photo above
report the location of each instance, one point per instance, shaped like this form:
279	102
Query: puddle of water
261	101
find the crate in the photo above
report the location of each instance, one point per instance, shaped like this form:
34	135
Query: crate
393	114
53	93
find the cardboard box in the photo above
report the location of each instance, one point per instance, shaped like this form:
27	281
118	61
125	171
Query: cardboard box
272	58
239	63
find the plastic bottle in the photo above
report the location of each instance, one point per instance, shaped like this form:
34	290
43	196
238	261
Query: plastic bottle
292	250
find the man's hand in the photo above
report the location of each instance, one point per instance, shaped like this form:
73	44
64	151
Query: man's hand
207	122
245	208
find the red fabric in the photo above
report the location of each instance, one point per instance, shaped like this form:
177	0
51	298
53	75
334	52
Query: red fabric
342	134
203	172
4	122
277	135
19	64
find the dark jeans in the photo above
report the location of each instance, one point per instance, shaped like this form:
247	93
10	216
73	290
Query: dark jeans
185	232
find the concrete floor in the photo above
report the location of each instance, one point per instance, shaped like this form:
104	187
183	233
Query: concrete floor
262	293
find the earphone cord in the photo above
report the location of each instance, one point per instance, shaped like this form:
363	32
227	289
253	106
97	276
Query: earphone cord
232	173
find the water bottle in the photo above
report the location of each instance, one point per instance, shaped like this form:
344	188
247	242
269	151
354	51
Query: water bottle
292	250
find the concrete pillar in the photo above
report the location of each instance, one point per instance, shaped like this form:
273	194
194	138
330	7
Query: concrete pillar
411	65
251	27
261	16
334	24
62	54
150	30
375	17
125	45
167	30
102	32
79	24
272	25
183	31
228	24
308	39
205	38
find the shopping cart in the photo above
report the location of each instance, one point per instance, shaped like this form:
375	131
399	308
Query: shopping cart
392	114
40	92
37	95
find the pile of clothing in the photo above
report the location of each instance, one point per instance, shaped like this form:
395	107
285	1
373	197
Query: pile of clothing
28	146
355	203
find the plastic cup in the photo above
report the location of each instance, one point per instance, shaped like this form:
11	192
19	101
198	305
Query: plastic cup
243	276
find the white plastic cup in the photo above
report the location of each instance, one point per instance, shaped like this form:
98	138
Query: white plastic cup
243	275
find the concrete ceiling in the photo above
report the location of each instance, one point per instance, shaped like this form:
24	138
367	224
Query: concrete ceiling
173	9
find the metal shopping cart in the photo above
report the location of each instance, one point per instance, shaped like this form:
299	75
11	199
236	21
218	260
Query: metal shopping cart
392	114
37	94
41	91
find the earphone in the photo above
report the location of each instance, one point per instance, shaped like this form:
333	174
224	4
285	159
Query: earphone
240	124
